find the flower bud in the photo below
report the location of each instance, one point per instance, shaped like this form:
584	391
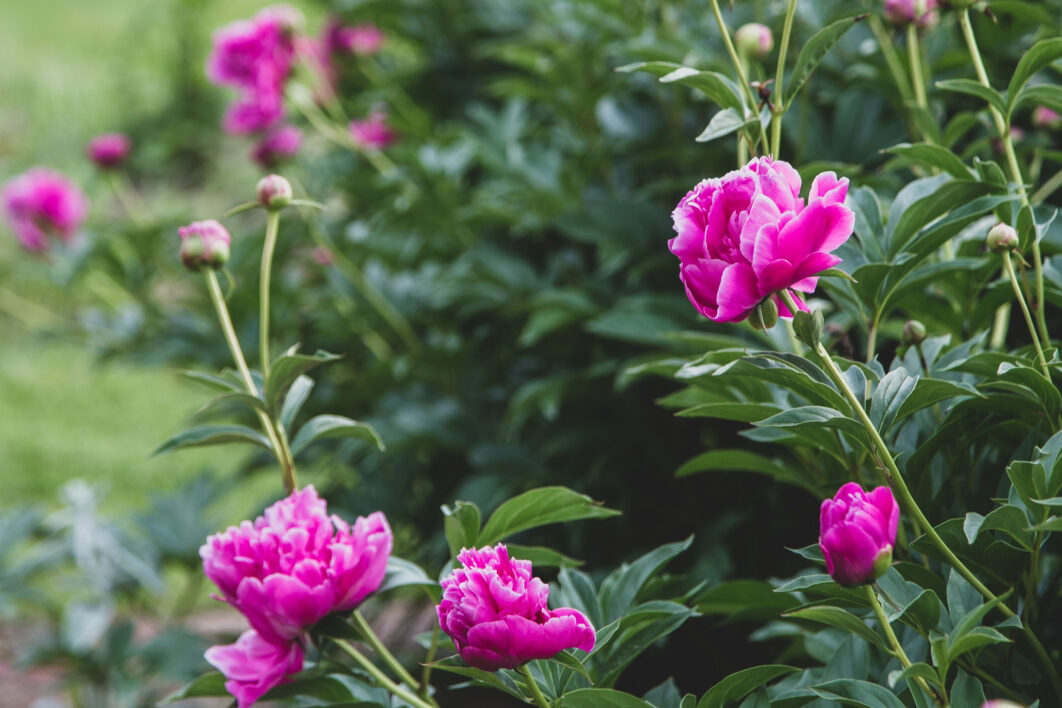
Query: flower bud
1001	703
109	150
903	12
754	40
1002	238
914	332
1044	117
274	192
764	315
204	243
857	531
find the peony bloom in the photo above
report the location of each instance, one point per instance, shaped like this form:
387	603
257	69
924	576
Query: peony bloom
903	12
857	531
109	150
373	133
359	39
495	611
254	112
295	564
745	236
277	146
39	203
754	40
252	665
1044	117
204	243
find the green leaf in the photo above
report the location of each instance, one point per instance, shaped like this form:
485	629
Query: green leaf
837	617
923	612
461	523
403	573
1007	518
639	629
814	417
853	692
731	459
207	685
933	205
889	396
741	683
931	155
1032	61
499	680
930	391
203	435
813	51
289	366
600	698
218	383
1049	95
253	402
569	661
715	86
297	395
744	600
974	639
333	426
724	123
539	507
619	590
741	412
1052	524
540	556
975	88
920	670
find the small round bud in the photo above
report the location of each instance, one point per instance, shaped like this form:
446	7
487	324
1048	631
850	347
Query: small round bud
1002	238
764	315
914	332
109	150
204	243
274	192
923	13
1044	117
754	40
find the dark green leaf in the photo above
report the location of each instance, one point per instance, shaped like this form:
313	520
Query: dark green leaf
741	683
540	556
600	698
539	507
333	426
837	617
289	366
853	692
296	396
1032	61
403	573
975	88
813	51
213	435
931	155
461	522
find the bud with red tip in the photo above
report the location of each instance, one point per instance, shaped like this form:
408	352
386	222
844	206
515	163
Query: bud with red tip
1002	238
204	244
754	40
274	192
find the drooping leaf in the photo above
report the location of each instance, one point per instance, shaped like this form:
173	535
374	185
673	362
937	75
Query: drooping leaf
203	435
539	507
333	426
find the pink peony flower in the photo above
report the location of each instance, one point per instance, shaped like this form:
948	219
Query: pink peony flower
109	150
295	564
747	235
373	133
277	146
923	13
253	665
359	39
495	611
39	203
254	112
1044	117
204	243
857	531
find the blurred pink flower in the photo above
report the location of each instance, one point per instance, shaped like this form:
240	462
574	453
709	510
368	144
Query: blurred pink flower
904	12
857	531
359	39
744	237
109	150
1044	117
253	665
277	146
373	132
39	203
495	611
295	564
323	256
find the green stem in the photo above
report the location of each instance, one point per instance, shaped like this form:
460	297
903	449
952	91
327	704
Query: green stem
536	692
1015	171
382	678
742	79
124	196
872	339
915	60
908	503
1047	189
1008	267
280	450
778	109
897	648
999	327
366	631
892	60
425	675
272	228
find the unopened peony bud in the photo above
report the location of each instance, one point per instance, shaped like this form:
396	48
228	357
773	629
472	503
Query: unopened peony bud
903	12
1044	117
274	192
1002	238
914	332
204	243
109	150
857	531
754	40
765	315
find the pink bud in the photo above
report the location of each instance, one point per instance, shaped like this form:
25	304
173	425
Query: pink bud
204	244
921	12
274	192
109	150
755	40
1044	117
277	146
373	133
359	39
42	203
857	531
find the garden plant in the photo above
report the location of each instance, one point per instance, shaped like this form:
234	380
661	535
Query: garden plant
445	325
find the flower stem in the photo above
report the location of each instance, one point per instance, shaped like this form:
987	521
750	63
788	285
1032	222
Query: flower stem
1008	267
778	109
272	227
425	675
742	79
915	60
1015	171
363	626
536	692
280	448
897	648
908	503
892	61
382	678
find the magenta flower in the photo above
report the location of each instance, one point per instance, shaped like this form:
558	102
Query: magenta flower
495	611
277	146
39	203
253	665
254	112
857	531
745	236
295	564
109	150
1044	117
903	12
373	133
359	39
